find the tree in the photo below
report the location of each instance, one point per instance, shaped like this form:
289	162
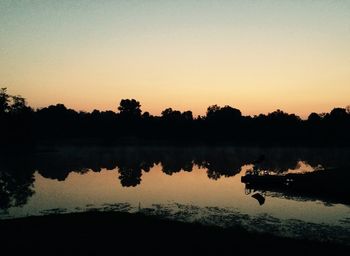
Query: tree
280	116
314	117
187	115
230	112
4	100
19	105
226	113
338	114
212	110
146	115
130	176
167	112
170	114
130	108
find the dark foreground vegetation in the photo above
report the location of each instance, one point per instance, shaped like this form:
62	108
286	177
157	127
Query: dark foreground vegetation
221	125
102	233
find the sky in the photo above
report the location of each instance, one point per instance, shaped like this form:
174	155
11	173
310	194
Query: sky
257	56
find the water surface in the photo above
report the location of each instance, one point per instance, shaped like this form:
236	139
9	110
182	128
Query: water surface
188	184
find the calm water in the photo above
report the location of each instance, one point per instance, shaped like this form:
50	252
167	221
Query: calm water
188	184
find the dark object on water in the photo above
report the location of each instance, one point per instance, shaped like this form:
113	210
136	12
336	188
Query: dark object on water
259	197
329	185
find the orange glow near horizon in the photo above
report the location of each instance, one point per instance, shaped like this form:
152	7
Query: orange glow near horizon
188	55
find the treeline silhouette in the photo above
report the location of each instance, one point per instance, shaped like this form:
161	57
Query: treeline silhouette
131	163
224	125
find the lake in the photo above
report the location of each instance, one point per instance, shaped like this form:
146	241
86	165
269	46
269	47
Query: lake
191	184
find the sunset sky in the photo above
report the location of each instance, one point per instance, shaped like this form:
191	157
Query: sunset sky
253	55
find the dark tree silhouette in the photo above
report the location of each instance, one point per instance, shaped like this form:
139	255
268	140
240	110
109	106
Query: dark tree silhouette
221	125
4	100
171	115
314	118
216	113
338	114
16	181
187	115
19	105
130	108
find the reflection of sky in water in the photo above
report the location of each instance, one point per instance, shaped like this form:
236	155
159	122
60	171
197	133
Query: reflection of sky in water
188	184
188	188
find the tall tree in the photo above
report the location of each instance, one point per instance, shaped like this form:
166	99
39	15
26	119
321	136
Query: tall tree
4	100
19	105
130	108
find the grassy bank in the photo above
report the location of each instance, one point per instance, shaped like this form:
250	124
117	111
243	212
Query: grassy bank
96	233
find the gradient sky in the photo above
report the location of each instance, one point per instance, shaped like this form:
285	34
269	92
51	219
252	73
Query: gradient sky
254	55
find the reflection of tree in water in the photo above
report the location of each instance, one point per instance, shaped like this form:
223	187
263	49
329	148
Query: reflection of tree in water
16	183
329	157
130	165
280	163
217	168
221	162
58	165
283	159
130	173
17	173
173	163
130	176
131	161
218	161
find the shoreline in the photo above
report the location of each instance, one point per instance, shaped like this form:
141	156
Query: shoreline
104	232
